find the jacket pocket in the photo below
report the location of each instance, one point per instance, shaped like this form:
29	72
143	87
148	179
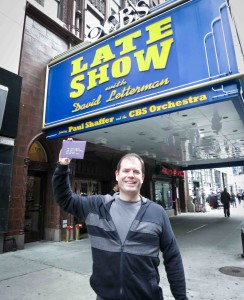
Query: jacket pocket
143	287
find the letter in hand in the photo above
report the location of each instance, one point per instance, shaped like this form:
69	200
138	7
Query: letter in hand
64	160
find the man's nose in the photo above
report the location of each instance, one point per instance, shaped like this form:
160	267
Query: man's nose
131	173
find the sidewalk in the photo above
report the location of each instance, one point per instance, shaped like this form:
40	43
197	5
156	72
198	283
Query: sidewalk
51	270
47	270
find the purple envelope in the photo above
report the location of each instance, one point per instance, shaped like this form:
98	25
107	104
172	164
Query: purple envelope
73	149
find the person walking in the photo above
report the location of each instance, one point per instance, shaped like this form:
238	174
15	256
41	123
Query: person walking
127	232
225	199
233	199
238	195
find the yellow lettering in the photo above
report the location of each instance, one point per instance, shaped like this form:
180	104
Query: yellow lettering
152	108
102	54
75	128
77	86
164	81
121	67
202	97
77	68
101	121
138	112
111	97
102	76
127	42
83	106
152	55
159	30
171	104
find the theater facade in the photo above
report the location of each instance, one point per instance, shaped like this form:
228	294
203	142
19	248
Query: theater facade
164	82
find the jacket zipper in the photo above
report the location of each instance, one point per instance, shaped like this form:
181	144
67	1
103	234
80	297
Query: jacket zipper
122	254
122	249
121	273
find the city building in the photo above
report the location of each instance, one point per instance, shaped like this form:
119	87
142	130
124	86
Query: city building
203	183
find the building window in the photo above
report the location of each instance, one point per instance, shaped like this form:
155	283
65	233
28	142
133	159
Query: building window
53	7
99	4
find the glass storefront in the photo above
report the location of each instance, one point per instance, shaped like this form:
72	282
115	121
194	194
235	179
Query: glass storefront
163	194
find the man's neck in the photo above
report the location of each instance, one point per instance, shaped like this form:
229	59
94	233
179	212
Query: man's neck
129	197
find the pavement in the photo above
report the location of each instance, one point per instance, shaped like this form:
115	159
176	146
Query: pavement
60	270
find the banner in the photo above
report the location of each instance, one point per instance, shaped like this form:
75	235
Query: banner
143	111
186	46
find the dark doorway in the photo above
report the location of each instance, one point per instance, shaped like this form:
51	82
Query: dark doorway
34	212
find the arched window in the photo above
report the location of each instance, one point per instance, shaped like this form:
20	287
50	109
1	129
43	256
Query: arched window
37	152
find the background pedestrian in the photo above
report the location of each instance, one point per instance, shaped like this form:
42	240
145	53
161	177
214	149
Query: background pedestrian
225	199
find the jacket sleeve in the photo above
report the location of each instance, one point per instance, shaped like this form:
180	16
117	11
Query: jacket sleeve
66	199
173	262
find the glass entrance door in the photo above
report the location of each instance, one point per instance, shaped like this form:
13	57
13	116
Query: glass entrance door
163	194
34	209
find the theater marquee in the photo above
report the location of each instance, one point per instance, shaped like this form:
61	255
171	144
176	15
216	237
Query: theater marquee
142	70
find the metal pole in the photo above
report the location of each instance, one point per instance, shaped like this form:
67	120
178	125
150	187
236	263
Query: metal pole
67	238
77	232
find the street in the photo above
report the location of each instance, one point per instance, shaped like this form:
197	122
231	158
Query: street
208	242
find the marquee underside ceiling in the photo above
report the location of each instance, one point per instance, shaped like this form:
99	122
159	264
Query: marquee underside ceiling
205	135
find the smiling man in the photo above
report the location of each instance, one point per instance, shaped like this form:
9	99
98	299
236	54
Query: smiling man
127	232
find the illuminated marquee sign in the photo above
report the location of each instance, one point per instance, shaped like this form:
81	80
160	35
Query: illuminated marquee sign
172	172
152	60
143	111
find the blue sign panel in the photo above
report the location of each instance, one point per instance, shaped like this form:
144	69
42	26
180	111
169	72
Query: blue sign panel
181	102
186	46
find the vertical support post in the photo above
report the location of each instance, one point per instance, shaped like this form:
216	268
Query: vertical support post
242	239
67	237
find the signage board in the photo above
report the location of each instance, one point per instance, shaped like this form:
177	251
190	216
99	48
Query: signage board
187	46
184	101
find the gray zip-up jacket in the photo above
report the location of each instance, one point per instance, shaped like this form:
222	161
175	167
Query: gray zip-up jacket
127	271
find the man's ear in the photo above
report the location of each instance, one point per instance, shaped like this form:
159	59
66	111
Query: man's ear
116	174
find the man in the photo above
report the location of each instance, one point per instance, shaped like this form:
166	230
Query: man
126	233
115	188
238	195
225	199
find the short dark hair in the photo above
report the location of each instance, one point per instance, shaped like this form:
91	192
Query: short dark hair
128	155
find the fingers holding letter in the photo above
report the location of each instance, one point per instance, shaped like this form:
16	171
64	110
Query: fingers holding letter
64	160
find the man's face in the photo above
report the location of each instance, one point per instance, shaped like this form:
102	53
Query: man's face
130	177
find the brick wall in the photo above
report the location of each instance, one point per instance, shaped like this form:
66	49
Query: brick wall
39	46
